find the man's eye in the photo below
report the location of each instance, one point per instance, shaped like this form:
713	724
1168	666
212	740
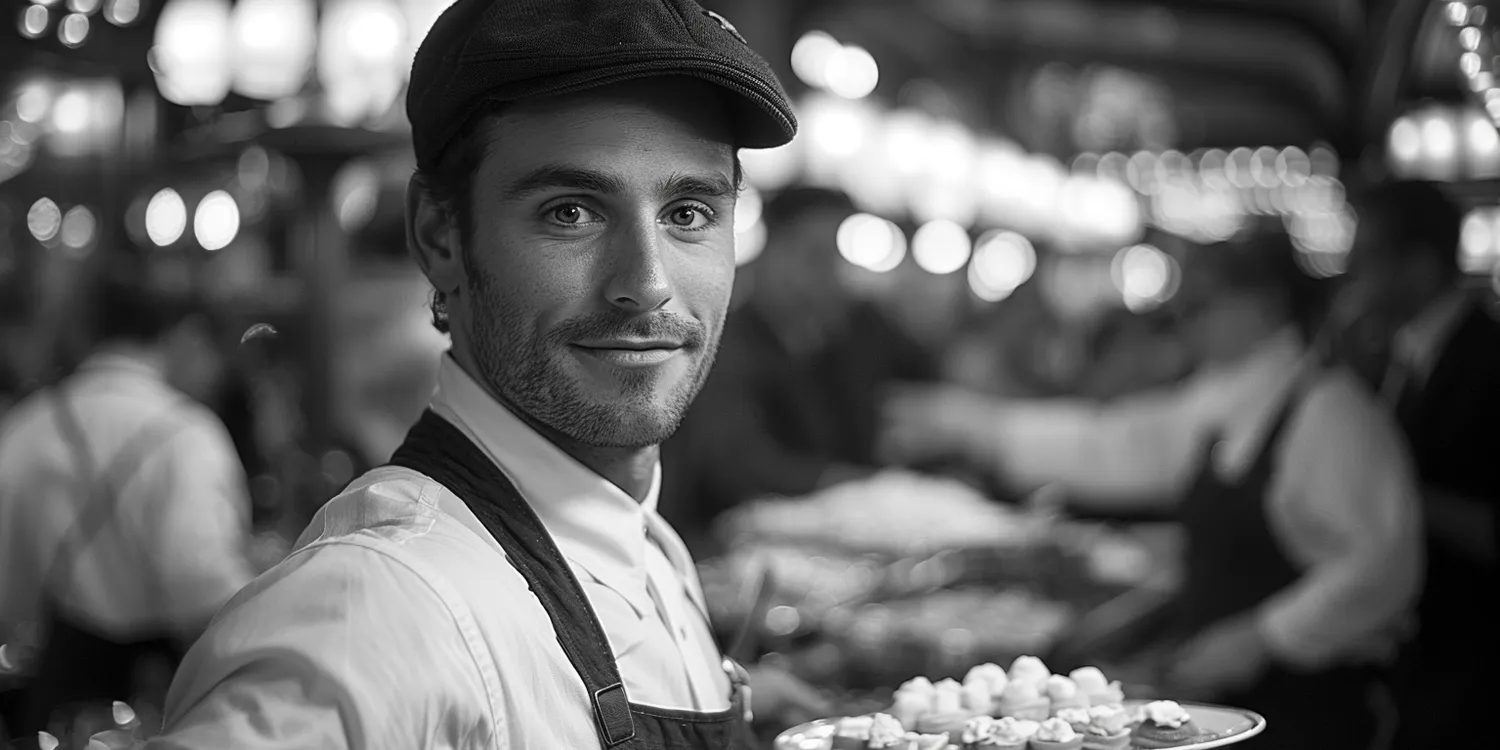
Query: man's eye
571	214
689	217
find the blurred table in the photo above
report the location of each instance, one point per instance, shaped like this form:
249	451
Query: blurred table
902	576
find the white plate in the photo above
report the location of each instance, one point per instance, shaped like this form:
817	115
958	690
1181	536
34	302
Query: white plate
1223	726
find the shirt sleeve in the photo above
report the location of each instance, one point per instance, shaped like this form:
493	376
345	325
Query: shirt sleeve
1346	508
1141	448
198	521
340	646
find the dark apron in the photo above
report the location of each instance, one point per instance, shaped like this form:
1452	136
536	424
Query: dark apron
440	451
77	665
1235	564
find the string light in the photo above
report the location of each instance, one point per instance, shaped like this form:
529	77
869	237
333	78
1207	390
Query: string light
44	220
940	247
217	221
34	21
1002	262
166	217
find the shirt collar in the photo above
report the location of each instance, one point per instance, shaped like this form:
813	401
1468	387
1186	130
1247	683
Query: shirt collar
596	525
1418	343
1282	351
122	361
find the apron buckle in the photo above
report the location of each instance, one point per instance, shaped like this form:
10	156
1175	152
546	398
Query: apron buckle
612	712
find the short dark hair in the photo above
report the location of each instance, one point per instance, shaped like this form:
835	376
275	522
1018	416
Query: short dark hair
451	184
1412	215
127	306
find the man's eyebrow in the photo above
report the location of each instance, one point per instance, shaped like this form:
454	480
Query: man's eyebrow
706	186
572	178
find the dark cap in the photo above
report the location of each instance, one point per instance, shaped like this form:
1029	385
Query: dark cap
496	51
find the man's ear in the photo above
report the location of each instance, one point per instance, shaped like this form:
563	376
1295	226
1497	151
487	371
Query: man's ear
434	237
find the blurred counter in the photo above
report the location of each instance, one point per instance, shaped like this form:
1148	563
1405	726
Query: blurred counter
859	587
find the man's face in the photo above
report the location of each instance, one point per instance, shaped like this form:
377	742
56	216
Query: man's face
1225	328
194	364
601	258
1378	287
1219	320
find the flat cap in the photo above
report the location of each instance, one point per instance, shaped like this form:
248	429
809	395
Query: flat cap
483	52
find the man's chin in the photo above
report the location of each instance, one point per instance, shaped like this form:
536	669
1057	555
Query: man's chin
615	426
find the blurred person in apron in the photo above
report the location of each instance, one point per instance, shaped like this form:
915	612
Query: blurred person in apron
123	512
1433	349
1295	492
506	581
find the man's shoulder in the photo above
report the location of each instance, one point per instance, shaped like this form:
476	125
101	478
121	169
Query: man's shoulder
350	627
401	515
21	422
1339	406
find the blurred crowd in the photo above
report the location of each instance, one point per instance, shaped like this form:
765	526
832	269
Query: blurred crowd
1305	433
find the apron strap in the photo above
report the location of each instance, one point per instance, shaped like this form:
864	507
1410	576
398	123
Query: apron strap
100	490
437	449
1295	396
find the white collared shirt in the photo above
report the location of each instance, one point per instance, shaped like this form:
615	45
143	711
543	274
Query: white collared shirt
1343	500
174	550
398	623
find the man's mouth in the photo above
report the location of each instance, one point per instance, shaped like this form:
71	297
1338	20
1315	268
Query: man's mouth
630	352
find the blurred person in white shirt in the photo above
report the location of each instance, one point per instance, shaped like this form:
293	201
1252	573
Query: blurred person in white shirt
123	510
1296	493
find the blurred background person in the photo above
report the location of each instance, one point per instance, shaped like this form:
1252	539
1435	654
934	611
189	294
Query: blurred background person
1296	495
1440	350
123	509
794	398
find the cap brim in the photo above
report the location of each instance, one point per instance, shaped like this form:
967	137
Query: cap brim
762	117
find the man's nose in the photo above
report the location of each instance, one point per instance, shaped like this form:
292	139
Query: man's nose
638	280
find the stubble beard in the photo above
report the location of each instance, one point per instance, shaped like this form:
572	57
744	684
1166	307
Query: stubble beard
528	374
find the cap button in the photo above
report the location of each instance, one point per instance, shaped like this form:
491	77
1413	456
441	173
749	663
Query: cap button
725	25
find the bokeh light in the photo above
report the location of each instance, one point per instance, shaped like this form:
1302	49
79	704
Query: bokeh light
1479	244
78	228
70	115
749	230
852	73
44	219
166	217
274	44
356	191
191	56
216	221
34	21
1458	12
1002	262
749	243
871	243
74	30
1145	276
941	247
122	12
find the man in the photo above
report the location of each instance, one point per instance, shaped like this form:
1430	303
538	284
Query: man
123	510
507	583
794	401
1442	347
1296	499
